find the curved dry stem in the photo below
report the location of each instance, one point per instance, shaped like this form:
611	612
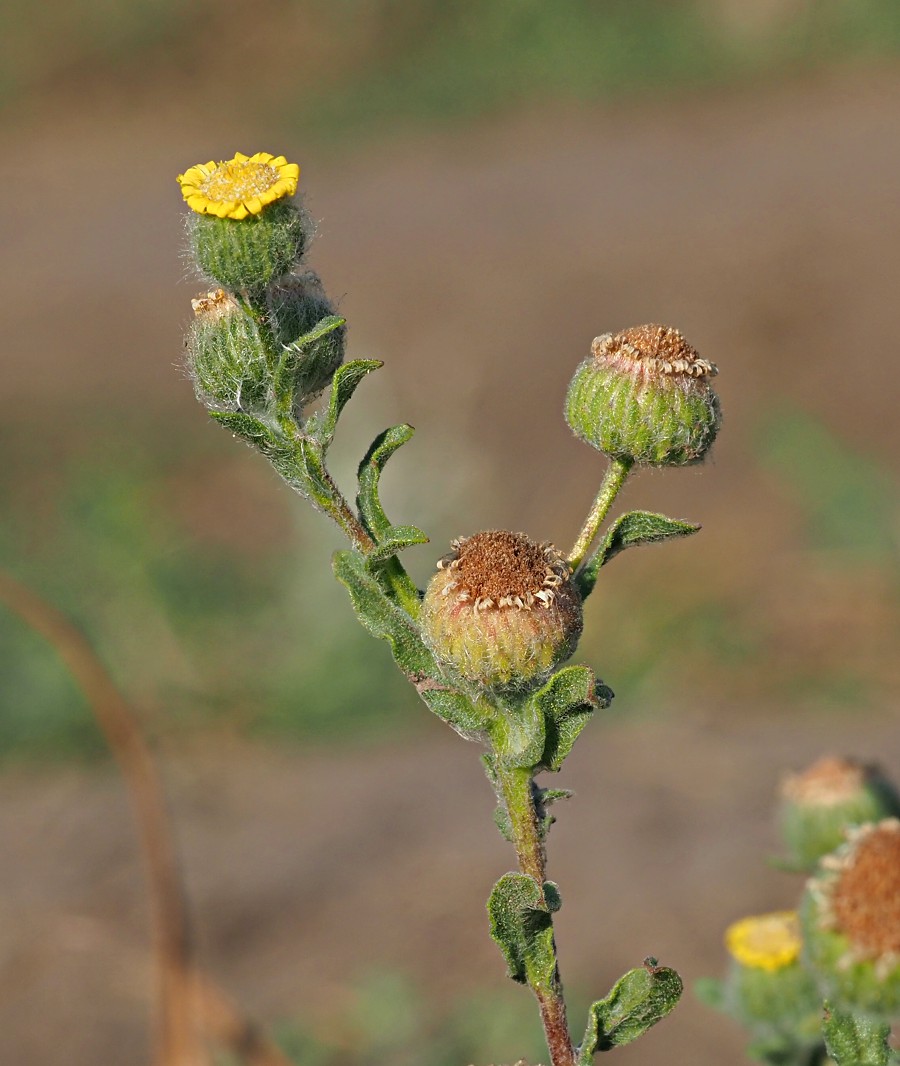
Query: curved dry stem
188	1003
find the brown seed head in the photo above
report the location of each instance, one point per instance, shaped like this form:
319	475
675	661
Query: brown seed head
864	900
827	783
657	350
499	569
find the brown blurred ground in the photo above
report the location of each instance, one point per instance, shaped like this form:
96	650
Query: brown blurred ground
479	264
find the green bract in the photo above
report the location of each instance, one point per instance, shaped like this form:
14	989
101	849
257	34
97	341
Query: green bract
251	252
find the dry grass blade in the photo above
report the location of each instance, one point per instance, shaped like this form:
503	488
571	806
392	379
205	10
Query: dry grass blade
190	1006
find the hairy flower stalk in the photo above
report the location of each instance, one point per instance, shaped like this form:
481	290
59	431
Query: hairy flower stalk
487	645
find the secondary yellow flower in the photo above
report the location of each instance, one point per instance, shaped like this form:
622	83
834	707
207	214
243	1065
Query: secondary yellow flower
766	941
240	186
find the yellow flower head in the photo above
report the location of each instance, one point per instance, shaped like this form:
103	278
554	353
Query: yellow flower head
238	187
766	941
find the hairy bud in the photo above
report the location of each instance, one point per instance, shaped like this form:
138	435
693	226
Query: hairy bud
820	804
643	396
226	354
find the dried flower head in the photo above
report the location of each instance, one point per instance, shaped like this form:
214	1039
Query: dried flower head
502	609
821	803
643	396
851	919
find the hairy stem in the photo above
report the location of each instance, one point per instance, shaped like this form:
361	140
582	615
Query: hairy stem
518	794
613	480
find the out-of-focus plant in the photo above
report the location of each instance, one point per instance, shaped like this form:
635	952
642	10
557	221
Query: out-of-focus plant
823	984
486	644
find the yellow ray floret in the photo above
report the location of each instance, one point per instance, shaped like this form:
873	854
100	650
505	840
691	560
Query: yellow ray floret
766	941
240	186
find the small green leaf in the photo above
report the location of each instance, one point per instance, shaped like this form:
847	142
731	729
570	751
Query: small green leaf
629	530
519	735
369	474
395	539
303	362
855	1040
382	617
566	704
637	1001
522	927
470	719
343	385
247	428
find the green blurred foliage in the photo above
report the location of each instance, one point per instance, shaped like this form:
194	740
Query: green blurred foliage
849	502
249	631
387	1020
367	64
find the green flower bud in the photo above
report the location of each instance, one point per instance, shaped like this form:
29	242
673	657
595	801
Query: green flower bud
249	253
851	922
296	305
226	354
643	396
819	805
767	989
502	610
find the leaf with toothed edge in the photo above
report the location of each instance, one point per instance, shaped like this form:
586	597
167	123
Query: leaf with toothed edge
628	531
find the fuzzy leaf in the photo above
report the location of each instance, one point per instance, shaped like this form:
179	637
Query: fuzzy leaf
519	735
395	539
383	618
522	927
629	530
302	361
343	385
855	1040
565	704
249	429
369	474
637	1001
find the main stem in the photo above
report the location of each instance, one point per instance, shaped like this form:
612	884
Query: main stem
518	792
613	480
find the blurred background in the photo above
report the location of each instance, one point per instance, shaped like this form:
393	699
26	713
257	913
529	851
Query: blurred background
496	183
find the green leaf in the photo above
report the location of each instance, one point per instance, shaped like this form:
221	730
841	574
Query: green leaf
303	361
637	1001
519	735
855	1040
566	704
343	385
629	530
369	473
522	927
248	428
395	539
383	618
